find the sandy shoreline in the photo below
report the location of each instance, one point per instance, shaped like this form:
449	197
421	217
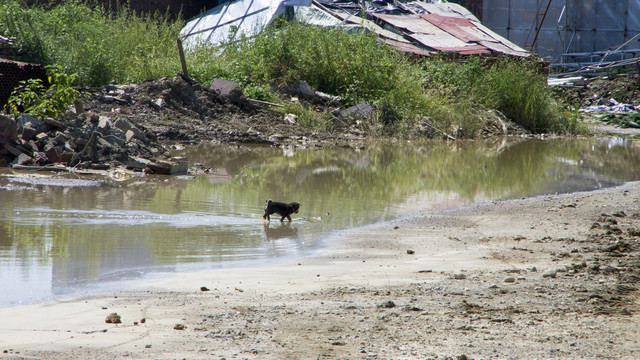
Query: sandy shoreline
547	277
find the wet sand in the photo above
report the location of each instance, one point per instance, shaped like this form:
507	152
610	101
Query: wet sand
547	277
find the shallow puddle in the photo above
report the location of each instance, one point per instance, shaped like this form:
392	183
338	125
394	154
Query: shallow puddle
63	234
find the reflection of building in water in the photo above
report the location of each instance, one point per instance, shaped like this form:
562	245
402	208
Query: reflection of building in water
278	232
84	266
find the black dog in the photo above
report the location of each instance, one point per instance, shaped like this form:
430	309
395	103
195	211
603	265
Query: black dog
285	210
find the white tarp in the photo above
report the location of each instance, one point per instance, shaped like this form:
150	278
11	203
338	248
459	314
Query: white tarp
229	21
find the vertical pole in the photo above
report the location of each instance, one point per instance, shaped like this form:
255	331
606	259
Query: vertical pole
185	73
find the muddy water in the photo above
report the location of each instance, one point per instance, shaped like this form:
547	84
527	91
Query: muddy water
69	234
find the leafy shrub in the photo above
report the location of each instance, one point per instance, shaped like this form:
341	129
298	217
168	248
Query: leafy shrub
516	88
32	97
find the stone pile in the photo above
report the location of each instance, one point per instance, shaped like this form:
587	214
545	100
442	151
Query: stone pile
84	141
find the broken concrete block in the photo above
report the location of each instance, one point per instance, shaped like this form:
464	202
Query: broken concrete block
173	166
40	158
305	90
129	135
8	128
53	122
362	110
158	103
104	123
26	120
42	137
12	150
66	156
137	164
123	124
28	132
60	138
226	88
52	155
22	159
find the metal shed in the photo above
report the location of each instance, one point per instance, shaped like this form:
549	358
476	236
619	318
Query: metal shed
418	27
574	32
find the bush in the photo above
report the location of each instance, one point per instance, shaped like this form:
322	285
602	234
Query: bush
516	88
33	98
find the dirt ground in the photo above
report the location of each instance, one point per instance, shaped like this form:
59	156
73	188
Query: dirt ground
546	277
183	110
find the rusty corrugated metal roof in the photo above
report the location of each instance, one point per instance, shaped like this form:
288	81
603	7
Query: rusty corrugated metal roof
426	28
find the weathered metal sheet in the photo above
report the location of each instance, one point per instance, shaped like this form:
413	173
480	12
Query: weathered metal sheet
608	39
407	47
610	15
495	15
633	18
571	26
453	26
451	34
445	9
499	38
232	20
410	23
367	24
439	42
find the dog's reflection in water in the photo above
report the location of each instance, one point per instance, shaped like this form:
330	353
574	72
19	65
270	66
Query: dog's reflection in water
282	231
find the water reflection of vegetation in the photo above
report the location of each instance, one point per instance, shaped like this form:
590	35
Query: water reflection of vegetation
385	174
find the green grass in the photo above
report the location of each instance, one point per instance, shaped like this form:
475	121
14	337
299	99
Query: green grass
95	45
99	46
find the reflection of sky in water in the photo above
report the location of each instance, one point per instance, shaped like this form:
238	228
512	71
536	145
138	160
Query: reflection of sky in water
66	234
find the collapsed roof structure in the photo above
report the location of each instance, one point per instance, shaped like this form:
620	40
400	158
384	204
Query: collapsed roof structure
420	28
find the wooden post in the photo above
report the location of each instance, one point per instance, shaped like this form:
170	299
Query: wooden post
185	73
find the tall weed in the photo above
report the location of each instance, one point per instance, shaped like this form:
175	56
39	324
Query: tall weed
516	88
97	45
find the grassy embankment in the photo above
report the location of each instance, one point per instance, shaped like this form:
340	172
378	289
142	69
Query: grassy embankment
125	47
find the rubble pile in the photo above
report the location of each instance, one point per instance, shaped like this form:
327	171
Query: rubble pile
90	141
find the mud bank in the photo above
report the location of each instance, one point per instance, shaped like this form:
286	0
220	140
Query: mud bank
547	277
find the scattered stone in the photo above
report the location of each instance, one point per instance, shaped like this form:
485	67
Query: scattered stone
410	252
179	327
509	279
387	305
204	288
550	274
619	214
459	276
113	318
